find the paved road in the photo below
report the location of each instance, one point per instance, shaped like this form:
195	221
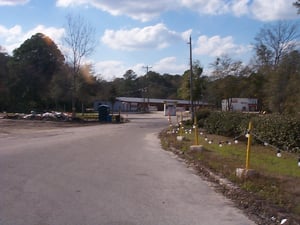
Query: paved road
104	175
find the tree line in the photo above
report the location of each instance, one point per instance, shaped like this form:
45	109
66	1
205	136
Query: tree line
37	76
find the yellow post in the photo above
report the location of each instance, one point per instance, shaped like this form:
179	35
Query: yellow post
196	131
181	118
180	126
249	146
170	122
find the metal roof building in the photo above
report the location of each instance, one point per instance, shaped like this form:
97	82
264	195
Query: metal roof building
133	104
158	103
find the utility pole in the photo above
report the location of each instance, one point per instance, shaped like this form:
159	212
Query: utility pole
147	85
191	80
147	68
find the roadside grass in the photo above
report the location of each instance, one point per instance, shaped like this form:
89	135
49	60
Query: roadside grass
94	116
278	179
87	116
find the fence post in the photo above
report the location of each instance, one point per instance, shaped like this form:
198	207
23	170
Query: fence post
196	131
249	136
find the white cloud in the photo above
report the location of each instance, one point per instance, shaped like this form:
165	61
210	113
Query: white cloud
270	10
216	46
111	69
54	33
240	7
10	37
136	9
267	10
13	2
207	7
67	3
10	33
186	35
151	37
13	37
264	10
169	65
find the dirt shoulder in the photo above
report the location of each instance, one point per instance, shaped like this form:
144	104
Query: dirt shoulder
11	126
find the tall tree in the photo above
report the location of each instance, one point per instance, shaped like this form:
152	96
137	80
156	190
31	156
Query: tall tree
263	60
254	87
112	96
197	83
225	66
130	75
274	41
31	69
60	89
80	39
129	86
4	58
282	87
172	85
152	82
86	86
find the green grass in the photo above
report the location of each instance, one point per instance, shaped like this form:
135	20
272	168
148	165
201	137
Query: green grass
278	181
262	158
87	116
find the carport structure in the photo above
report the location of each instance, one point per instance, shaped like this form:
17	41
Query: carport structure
132	104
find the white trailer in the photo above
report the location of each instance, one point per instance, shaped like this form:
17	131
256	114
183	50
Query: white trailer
240	104
170	108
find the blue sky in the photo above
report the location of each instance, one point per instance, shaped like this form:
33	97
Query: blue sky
131	34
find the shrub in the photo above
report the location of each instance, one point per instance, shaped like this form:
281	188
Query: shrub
281	131
229	124
201	116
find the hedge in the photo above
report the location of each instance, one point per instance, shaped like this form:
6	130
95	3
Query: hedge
282	131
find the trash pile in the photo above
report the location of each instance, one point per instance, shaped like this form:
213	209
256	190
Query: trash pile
53	116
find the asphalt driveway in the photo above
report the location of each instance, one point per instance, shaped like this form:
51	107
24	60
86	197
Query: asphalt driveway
111	174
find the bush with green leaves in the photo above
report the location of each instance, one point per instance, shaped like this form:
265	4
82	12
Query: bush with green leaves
201	116
282	131
229	124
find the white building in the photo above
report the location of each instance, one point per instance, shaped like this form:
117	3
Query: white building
240	104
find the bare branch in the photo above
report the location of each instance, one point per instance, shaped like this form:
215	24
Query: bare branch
275	41
297	5
80	38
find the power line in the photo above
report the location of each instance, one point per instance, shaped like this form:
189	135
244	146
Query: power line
191	79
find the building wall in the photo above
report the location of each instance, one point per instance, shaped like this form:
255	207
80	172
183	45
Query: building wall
240	104
132	104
